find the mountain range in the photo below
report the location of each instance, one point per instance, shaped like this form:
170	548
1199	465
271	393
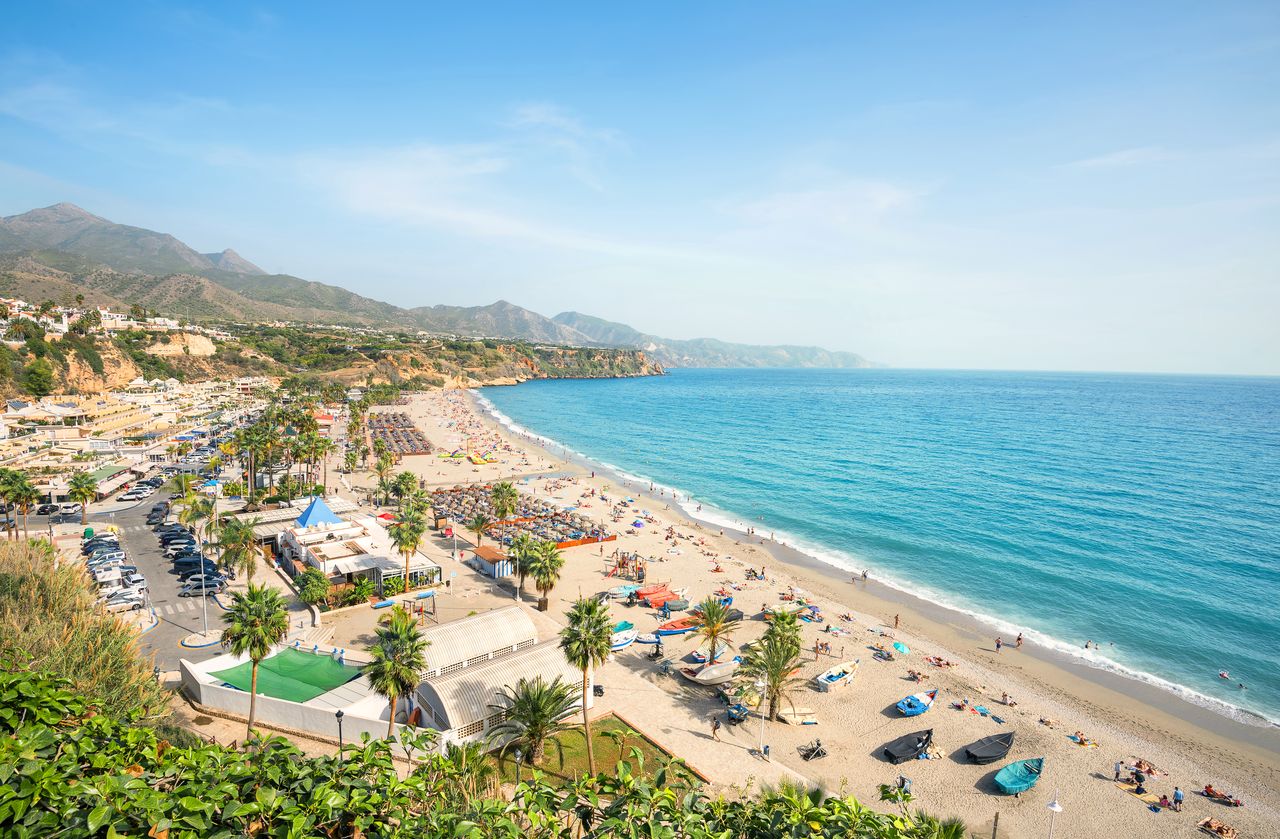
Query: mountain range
60	251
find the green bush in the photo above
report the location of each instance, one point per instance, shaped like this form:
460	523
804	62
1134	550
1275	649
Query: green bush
313	586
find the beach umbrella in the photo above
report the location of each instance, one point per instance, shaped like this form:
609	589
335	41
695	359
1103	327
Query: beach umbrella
637	523
901	647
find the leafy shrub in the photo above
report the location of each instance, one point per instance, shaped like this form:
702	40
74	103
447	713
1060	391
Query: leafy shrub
313	586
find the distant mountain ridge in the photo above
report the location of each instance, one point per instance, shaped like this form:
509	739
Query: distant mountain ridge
706	352
62	250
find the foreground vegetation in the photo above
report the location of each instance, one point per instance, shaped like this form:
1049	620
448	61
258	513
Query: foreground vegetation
72	772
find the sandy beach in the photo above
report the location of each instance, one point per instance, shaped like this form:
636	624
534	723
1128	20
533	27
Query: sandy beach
1189	746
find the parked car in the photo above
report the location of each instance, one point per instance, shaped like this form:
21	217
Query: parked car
131	495
100	557
172	549
135	581
196	565
71	509
201	589
125	601
93	545
176	538
46	509
212	579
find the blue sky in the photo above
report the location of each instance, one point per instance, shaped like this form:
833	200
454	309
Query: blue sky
1092	186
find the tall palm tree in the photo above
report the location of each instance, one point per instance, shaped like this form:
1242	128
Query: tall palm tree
585	641
382	471
522	552
504	499
716	625
24	495
477	525
773	661
534	712
183	484
545	569
406	536
398	657
257	621
239	546
406	482
83	488
323	448
8	483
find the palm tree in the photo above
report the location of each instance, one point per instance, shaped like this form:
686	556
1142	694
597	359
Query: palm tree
504	499
406	535
239	545
545	570
773	661
83	488
183	484
522	552
24	495
257	621
323	448
406	482
398	658
716	625
478	524
534	712
8	482
382	471
585	641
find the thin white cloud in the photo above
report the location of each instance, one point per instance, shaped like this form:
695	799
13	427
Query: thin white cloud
1125	157
582	146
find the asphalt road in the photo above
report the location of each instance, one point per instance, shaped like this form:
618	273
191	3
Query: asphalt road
178	616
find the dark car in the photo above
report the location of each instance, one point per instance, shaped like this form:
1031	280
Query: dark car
171	536
207	570
46	509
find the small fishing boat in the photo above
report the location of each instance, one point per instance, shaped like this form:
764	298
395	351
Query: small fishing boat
678	605
648	638
677	627
622	640
623	626
917	703
908	746
653	588
1020	776
656	600
797	716
837	677
712	674
623	592
990	749
700	655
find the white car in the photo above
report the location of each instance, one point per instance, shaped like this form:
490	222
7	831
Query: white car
125	601
72	509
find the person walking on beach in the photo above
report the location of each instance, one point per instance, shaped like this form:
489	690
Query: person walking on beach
715	729
1119	770
999	644
1018	641
895	621
1177	799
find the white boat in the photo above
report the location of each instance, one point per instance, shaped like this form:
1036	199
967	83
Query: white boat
837	677
622	640
623	592
712	674
700	655
797	716
648	638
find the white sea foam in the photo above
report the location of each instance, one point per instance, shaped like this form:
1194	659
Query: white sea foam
709	514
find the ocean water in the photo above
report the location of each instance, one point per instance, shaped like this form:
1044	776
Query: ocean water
1142	512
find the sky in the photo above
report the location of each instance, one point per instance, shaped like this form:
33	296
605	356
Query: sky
1068	186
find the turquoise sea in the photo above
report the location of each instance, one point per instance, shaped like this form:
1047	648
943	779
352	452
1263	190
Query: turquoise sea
1139	511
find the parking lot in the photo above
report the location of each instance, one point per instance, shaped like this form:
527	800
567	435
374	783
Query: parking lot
178	617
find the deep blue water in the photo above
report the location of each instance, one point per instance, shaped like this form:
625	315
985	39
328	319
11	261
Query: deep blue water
1139	511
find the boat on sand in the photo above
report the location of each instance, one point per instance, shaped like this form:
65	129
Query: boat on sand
712	674
677	627
1020	776
837	677
917	703
990	749
909	746
798	716
622	640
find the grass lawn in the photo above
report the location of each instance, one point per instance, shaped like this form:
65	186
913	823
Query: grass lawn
574	748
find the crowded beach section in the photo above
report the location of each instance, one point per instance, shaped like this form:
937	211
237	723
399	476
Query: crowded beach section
1111	765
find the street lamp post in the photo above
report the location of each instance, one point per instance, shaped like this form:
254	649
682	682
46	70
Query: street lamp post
338	716
760	686
1054	809
519	757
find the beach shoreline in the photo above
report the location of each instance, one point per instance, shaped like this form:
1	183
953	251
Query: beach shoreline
1200	745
